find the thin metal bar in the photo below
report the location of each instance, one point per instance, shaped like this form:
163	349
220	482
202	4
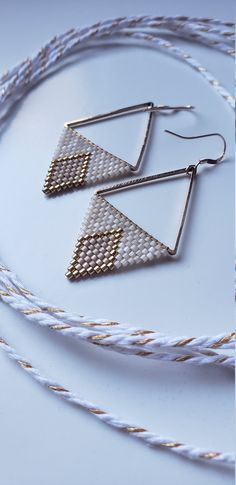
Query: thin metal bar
163	107
149	106
141	181
136	167
112	114
184	215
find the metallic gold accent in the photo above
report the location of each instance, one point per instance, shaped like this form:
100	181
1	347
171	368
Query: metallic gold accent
100	336
131	429
58	326
184	358
57	388
93	324
96	411
142	332
223	340
24	365
57	181
12	290
172	444
53	310
24	291
4	293
143	342
33	311
18	291
184	342
101	265
211	455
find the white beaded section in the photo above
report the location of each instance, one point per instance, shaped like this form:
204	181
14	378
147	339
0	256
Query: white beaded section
136	246
102	164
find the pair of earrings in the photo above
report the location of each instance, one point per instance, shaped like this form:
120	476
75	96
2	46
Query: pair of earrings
109	239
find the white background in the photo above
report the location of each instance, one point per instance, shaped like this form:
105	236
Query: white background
42	439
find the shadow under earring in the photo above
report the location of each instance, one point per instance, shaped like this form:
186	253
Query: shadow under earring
111	241
79	162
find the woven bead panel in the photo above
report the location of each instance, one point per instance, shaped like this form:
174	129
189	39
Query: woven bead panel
110	241
79	162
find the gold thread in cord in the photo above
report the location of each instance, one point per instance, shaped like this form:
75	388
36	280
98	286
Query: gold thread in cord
143	342
33	311
93	324
24	365
184	342
57	388
4	293
142	332
53	310
131	429
96	411
100	337
12	290
223	340
172	444
184	358
211	455
59	326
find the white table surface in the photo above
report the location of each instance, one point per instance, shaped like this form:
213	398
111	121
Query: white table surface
42	439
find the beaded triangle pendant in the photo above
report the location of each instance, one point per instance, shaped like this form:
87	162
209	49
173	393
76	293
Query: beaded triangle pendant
110	240
79	162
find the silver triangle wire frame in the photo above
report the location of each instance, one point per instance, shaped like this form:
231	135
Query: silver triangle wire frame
191	171
148	107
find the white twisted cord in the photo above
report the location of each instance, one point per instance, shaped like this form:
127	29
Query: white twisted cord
15	84
206	31
141	342
143	434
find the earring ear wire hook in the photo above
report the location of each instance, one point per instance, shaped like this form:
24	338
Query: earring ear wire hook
211	161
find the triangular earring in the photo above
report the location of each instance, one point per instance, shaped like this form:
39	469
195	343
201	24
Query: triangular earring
110	240
79	162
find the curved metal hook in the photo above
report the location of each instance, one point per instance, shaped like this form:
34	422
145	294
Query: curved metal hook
211	161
